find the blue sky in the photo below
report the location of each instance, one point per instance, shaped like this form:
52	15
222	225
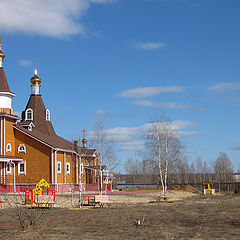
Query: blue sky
126	61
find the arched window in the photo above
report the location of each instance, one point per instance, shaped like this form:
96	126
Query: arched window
21	148
9	168
8	147
29	114
59	167
68	168
47	115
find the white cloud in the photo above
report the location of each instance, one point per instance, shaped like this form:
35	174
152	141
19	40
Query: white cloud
189	151
236	146
126	135
134	143
181	124
171	105
100	113
132	148
149	91
103	1
130	138
146	103
223	86
25	62
147	45
55	18
189	133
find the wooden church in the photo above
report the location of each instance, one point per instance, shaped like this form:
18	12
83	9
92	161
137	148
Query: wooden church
31	149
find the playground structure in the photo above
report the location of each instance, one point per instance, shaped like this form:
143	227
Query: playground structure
37	195
3	198
208	188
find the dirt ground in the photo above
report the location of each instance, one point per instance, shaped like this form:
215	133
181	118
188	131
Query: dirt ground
191	216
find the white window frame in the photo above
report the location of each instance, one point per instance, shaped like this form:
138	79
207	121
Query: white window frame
59	171
81	168
19	172
10	168
30	126
47	115
21	150
9	147
68	169
26	114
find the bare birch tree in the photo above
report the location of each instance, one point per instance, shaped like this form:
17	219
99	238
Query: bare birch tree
193	173
183	171
163	146
104	144
199	169
223	168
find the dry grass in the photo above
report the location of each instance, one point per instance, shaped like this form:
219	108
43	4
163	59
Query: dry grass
191	216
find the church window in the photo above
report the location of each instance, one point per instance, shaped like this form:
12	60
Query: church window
47	115
21	148
8	167
68	168
8	147
22	168
81	168
59	167
29	114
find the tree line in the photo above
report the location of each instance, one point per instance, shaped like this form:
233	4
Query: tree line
182	172
164	161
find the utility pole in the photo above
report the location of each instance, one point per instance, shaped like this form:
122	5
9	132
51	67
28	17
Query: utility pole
80	181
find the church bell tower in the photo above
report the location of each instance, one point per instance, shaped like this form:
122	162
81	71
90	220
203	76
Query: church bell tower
5	94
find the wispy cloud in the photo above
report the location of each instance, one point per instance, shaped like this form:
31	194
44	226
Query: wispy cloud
55	18
132	148
147	45
130	138
170	105
189	151
236	146
149	91
100	113
223	86
103	1
126	135
25	62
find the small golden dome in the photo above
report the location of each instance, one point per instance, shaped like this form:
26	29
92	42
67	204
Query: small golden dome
36	80
2	55
84	140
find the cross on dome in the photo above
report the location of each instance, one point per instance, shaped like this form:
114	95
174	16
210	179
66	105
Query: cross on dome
2	55
35	80
84	141
84	132
35	65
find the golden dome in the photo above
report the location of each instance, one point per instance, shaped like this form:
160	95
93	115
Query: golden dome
84	140
2	55
35	80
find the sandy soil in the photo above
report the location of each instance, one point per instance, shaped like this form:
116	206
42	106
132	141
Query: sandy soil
191	216
146	197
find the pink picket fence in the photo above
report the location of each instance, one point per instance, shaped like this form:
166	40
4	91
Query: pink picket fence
6	188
